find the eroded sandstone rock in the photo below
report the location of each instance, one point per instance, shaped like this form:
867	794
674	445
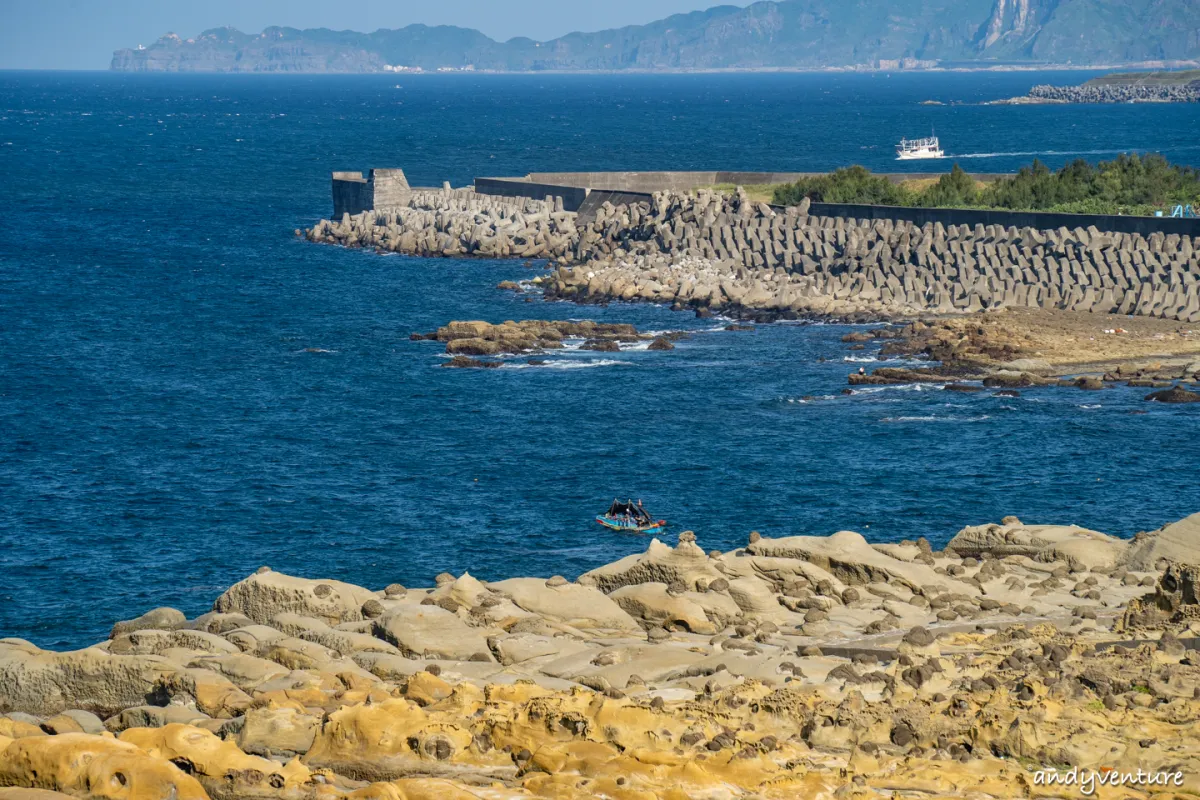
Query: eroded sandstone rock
263	595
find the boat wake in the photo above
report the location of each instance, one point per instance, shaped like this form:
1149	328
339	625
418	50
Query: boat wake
1040	153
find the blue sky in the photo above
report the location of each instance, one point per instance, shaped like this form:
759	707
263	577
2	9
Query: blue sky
81	34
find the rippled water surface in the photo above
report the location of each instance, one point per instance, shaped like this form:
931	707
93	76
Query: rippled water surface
187	392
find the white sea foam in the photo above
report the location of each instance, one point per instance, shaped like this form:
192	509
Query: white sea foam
887	361
603	362
899	387
936	419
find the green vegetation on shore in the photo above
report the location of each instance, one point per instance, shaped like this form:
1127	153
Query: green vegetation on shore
1129	184
1166	78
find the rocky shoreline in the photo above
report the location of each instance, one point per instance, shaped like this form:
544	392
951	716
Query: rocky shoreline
1020	349
717	253
798	666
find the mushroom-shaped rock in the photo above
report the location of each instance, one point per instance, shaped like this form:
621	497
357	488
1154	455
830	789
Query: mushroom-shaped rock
465	590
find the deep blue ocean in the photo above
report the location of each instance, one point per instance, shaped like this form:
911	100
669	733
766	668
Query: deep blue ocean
188	392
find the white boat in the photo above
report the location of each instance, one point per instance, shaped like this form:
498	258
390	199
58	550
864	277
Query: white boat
911	149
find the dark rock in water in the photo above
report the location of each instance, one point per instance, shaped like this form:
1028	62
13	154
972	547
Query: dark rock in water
511	286
661	343
739	327
422	337
703	313
1006	393
962	387
464	361
1089	383
858	347
1020	380
1146	383
601	345
476	347
536	362
896	375
1176	394
857	336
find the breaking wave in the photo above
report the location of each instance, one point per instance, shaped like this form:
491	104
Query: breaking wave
980	418
602	362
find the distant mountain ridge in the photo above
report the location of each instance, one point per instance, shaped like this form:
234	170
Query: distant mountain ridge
774	34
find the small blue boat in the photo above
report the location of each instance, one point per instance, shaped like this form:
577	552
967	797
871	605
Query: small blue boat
630	517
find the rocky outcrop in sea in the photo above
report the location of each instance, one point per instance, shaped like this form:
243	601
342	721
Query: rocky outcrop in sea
796	666
478	338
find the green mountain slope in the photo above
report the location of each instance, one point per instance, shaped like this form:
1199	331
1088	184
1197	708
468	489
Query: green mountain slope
803	34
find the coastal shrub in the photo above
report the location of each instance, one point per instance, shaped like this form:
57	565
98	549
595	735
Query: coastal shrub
1125	182
955	189
1129	184
854	184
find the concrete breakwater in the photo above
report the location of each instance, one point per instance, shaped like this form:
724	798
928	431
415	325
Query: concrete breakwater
726	253
721	252
1119	93
457	222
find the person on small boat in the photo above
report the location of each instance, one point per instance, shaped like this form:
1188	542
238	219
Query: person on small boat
629	515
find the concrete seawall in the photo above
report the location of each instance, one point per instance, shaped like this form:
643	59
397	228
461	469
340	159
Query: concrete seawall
687	181
382	188
632	187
